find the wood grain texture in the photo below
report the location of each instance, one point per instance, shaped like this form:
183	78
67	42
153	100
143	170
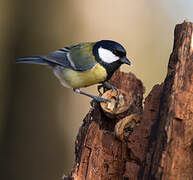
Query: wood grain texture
99	153
170	152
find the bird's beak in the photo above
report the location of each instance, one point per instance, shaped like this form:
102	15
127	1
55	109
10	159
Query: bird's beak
126	61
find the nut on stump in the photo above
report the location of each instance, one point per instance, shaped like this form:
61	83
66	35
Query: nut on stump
125	126
118	105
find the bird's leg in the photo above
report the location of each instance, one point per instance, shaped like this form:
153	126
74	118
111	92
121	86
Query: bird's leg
109	86
97	98
99	88
106	86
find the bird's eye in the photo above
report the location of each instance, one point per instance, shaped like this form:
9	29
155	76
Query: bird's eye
115	52
119	53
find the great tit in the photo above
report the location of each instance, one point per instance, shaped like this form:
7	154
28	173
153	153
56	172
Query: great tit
84	64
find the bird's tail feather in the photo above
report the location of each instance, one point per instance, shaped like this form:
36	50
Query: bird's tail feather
32	60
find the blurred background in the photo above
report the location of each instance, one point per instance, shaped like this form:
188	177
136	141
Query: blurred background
39	119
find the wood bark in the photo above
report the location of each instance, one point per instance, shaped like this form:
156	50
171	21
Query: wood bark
170	150
160	146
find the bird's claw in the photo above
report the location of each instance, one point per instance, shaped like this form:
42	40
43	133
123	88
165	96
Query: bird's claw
117	91
98	99
98	88
107	86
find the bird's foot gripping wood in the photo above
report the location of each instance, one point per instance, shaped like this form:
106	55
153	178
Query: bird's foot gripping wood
97	98
107	86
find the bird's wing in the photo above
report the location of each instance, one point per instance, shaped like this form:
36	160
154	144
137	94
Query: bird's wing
78	57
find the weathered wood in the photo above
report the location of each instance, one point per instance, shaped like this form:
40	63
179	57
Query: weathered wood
99	153
170	151
138	141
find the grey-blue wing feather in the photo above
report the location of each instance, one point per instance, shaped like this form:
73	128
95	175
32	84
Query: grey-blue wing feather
78	57
58	57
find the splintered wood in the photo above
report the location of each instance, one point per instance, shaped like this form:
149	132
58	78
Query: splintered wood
170	154
101	149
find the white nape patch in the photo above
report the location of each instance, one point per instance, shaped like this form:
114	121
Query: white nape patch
107	56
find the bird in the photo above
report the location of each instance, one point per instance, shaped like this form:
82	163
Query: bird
84	64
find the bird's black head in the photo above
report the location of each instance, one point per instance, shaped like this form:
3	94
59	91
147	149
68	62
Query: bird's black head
110	55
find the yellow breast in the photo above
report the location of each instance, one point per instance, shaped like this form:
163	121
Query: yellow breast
78	79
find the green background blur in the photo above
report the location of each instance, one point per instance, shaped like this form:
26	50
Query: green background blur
39	119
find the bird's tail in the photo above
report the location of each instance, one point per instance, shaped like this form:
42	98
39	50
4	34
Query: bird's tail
32	60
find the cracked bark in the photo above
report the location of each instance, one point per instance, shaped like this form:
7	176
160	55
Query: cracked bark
170	150
161	145
99	154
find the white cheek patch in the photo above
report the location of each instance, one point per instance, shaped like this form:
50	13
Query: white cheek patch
107	56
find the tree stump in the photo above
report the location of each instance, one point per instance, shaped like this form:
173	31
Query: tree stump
170	149
132	142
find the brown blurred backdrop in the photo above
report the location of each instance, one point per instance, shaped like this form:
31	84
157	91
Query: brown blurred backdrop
39	119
